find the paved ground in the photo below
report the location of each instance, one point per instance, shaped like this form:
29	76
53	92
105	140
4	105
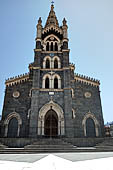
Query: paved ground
74	157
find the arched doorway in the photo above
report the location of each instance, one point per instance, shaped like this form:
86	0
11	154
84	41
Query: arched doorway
51	124
13	128
90	128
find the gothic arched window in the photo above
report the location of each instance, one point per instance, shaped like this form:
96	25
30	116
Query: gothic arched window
56	83
47	83
47	63
56	47
55	63
47	46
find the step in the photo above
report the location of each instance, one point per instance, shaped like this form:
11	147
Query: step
48	146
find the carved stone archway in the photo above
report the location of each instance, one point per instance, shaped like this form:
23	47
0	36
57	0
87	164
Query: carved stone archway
42	114
90	115
9	117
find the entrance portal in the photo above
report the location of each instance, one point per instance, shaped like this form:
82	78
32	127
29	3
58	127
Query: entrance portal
51	124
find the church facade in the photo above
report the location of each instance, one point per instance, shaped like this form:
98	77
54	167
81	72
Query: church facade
52	100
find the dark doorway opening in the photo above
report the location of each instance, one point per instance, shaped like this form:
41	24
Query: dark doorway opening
12	128
51	124
90	128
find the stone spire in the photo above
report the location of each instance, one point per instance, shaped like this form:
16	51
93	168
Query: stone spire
52	19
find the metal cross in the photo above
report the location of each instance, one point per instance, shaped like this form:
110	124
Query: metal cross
52	2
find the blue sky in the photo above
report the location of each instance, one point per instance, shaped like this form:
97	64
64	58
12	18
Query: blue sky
90	33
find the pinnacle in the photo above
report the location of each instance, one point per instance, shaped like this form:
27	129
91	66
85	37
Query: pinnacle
52	19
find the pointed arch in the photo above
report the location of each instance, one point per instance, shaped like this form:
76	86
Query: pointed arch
56	58
47	83
47	62
54	83
42	114
55	63
91	116
46	80
9	117
51	35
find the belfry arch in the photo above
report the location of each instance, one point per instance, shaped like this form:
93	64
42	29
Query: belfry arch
42	115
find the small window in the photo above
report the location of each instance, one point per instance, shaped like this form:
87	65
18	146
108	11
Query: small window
47	63
52	46
56	83
47	46
47	83
56	47
55	63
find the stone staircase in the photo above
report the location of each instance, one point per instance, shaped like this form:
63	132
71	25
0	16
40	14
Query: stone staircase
58	145
46	145
106	145
2	146
50	145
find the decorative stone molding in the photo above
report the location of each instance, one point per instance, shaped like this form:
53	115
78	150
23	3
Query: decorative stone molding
87	95
57	29
42	114
16	94
9	117
90	115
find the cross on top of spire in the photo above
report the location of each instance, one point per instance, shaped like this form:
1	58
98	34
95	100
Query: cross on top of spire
52	2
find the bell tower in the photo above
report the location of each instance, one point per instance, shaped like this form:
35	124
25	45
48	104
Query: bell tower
51	68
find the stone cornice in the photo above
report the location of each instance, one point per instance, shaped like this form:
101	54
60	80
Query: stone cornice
34	68
65	50
18	79
38	39
87	80
39	50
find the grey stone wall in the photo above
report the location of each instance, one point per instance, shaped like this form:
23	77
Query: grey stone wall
21	105
83	105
